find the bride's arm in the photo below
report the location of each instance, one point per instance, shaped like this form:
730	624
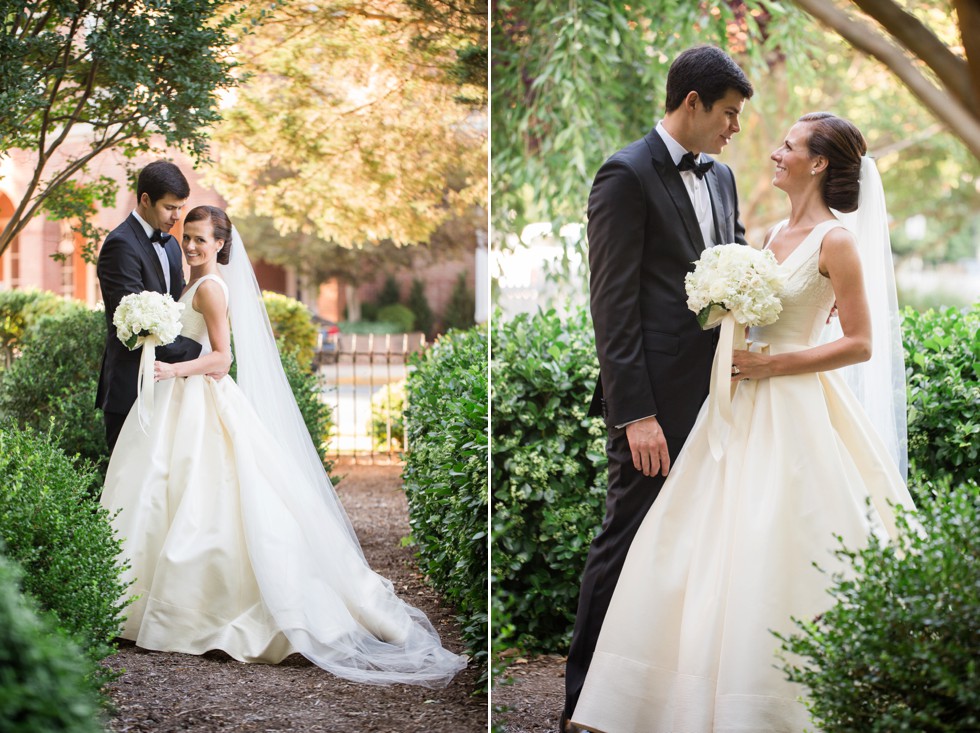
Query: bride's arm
839	260
209	301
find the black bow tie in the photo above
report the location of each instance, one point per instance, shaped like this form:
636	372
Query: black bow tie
687	164
158	236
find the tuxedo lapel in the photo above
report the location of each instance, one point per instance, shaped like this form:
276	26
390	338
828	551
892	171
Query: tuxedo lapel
145	247
672	181
176	268
717	208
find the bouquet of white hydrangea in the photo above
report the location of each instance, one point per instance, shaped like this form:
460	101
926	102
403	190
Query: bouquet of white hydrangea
736	279
147	314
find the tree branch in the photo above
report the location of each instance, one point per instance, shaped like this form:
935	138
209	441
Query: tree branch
968	14
950	111
923	43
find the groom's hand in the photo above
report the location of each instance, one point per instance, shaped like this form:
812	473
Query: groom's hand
648	446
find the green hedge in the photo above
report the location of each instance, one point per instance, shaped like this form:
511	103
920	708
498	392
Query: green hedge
942	357
44	683
445	475
19	309
55	380
293	326
62	538
548	475
399	315
897	653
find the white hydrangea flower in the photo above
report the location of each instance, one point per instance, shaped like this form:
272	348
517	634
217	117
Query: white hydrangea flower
149	313
737	279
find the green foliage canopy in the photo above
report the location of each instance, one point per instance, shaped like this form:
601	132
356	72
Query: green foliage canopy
351	128
117	73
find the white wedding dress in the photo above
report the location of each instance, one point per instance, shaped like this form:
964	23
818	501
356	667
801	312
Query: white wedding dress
726	552
216	525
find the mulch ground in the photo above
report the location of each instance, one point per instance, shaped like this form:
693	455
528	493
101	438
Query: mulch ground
529	696
163	692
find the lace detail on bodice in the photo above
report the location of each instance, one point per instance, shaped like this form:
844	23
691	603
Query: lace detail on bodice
807	296
192	323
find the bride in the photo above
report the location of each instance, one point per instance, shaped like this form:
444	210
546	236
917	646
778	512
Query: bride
235	537
725	554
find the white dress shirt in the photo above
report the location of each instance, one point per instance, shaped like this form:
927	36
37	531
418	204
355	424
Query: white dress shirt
697	188
157	247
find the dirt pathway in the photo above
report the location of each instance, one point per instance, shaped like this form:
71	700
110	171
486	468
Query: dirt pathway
529	696
163	692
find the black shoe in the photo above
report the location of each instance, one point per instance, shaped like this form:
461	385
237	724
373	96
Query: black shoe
563	725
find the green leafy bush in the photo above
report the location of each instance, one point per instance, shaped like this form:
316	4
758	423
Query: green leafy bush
293	326
445	475
461	306
388	404
19	309
55	379
419	305
366	327
548	475
897	653
62	539
942	357
399	315
44	683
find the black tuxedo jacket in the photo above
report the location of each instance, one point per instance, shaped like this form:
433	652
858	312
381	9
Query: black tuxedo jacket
128	264
643	239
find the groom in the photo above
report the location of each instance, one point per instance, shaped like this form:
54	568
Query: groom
655	205
140	254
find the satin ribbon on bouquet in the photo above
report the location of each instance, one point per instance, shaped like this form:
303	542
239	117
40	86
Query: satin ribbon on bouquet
722	389
144	395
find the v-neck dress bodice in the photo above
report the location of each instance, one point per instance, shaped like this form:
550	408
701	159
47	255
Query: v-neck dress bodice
806	295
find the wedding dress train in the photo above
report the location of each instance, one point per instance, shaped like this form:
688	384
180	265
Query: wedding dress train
231	548
726	552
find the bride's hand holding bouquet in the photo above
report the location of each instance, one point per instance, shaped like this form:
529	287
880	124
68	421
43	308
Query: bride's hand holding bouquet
732	286
148	319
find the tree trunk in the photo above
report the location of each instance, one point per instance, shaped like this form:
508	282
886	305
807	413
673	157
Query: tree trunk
353	303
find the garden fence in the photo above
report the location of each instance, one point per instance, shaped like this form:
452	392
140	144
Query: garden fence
363	377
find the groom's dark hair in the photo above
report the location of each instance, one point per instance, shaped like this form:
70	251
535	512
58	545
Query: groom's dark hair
707	70
160	178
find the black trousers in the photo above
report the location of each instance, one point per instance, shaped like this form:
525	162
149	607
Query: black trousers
113	424
629	498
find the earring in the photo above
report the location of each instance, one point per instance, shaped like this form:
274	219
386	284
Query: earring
813	173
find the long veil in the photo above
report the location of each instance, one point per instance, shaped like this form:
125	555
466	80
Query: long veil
878	383
314	579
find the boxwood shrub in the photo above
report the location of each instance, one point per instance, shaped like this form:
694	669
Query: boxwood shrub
548	475
293	326
897	653
19	309
942	357
61	537
44	678
55	378
445	475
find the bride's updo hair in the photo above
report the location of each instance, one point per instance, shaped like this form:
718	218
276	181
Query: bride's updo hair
843	145
220	224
